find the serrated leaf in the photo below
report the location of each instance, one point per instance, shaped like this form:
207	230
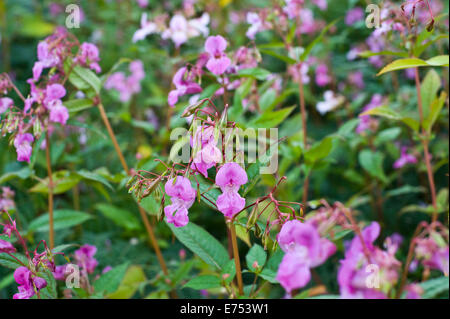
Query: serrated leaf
110	281
121	217
201	243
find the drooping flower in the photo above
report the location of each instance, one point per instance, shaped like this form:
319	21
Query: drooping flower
304	249
367	271
28	282
184	84
218	61
404	159
89	56
257	23
58	112
182	196
60	272
230	177
127	85
433	252
147	28
22	143
331	102
207	154
5	104
6	247
84	257
322	77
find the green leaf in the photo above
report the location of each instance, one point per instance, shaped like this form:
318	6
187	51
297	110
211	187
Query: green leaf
200	242
269	272
258	254
372	162
11	263
34	26
62	218
203	282
91	176
62	182
77	105
84	79
110	281
319	150
267	99
405	190
23	173
272	118
279	56
368	54
121	217
429	89
386	135
383	111
400	64
230	270
50	291
133	278
257	73
434	287
420	48
435	108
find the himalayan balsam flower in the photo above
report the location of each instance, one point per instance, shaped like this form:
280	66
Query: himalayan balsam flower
354	15
184	84
5	104
322	77
356	271
257	24
6	247
52	101
84	257
208	154
182	196
147	28
89	56
433	252
27	283
229	178
404	159
127	86
331	102
22	143
180	29
304	249
218	61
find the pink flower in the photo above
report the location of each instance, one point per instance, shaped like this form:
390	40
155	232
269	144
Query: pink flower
60	272
208	154
433	252
27	283
404	159
322	77
5	104
142	3
89	56
229	178
182	196
22	143
147	28
304	249
354	15
84	257
127	86
218	61
414	291
58	112
184	84
6	247
257	24
356	268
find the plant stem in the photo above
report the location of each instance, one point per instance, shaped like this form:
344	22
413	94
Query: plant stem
148	227
50	190
425	147
237	261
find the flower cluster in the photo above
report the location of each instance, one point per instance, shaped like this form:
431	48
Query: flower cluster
305	249
127	85
29	283
208	154
362	260
180	29
7	199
